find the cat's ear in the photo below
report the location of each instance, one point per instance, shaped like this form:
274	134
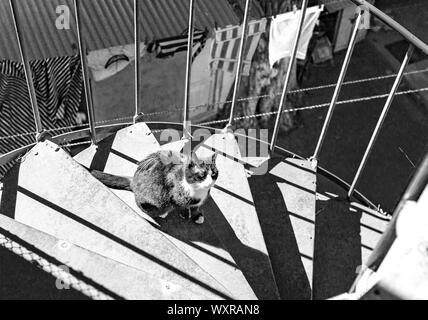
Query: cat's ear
191	160
214	158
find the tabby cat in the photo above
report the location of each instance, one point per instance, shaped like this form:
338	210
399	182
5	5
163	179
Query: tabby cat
166	181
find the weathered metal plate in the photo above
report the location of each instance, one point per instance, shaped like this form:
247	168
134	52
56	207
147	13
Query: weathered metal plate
233	217
202	247
56	195
298	188
109	276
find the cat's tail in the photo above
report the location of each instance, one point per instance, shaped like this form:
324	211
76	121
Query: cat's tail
112	181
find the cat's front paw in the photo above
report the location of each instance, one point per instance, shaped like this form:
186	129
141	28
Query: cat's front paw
185	214
164	215
198	218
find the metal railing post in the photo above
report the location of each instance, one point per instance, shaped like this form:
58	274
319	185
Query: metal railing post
186	129
339	84
288	76
240	62
381	118
137	58
85	75
27	71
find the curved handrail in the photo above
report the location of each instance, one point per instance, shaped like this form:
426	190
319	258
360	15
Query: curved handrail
410	37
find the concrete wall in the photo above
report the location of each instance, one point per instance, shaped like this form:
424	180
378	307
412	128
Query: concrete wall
162	88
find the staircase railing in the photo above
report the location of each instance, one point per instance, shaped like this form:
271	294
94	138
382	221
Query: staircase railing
413	42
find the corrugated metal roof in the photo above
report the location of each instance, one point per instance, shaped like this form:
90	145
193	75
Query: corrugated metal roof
256	11
334	6
106	23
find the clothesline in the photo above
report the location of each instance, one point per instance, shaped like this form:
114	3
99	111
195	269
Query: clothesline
306	108
179	109
317	106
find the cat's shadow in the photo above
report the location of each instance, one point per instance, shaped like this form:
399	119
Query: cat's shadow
192	234
217	232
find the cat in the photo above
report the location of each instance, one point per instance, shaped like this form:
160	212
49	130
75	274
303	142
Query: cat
166	181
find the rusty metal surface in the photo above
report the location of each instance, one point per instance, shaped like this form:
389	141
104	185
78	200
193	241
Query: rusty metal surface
58	196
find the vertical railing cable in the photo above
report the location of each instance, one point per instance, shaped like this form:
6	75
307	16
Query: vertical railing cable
288	75
339	84
240	61
381	119
186	129
85	75
27	71
137	58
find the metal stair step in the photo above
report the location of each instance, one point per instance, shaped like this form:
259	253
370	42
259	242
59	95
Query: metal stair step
346	234
119	154
232	215
107	276
51	192
285	200
197	242
298	188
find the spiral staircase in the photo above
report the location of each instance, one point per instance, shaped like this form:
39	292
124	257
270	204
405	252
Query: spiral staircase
277	226
258	242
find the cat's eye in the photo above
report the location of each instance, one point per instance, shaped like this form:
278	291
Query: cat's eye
214	174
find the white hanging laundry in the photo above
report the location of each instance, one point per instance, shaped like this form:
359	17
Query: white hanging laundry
283	31
105	63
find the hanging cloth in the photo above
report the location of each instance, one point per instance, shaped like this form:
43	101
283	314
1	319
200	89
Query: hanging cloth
58	84
169	46
225	47
105	63
283	32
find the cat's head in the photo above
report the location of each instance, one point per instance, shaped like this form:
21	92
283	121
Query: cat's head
202	171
